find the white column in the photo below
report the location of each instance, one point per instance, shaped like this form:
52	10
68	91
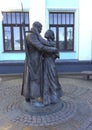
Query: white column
37	13
85	30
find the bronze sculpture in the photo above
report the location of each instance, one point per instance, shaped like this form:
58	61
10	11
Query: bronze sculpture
33	87
51	89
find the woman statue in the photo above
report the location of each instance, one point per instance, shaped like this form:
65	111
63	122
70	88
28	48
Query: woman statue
52	91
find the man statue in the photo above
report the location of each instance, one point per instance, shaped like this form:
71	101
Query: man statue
32	88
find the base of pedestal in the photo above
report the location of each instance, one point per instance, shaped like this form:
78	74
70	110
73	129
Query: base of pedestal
30	108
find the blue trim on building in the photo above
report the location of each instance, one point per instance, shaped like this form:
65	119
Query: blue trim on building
74	66
13	67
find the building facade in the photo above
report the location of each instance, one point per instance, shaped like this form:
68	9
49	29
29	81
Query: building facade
70	20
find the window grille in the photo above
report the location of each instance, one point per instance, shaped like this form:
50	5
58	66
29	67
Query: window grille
13	34
62	23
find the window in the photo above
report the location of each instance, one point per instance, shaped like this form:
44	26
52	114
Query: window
14	26
62	23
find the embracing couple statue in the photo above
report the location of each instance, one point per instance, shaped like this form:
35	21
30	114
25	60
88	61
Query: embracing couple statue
40	80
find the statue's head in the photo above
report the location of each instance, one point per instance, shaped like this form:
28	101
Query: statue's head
50	35
38	26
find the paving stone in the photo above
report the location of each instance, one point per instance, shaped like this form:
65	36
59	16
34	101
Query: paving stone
76	113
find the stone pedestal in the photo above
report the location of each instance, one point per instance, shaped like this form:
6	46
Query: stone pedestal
31	109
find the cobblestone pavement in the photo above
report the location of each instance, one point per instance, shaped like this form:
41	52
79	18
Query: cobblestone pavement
76	113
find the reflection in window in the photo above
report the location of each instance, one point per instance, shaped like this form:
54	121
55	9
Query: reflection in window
7	38
51	19
9	18
63	18
23	38
26	18
16	38
71	18
67	19
4	18
61	38
18	18
59	19
13	18
55	18
54	30
69	37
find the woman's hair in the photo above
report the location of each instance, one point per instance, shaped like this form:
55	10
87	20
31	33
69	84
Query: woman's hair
50	35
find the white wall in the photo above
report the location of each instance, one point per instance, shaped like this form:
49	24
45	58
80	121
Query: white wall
62	3
6	5
37	13
85	30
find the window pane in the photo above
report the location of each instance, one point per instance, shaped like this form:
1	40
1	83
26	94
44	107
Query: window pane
61	38
13	18
59	18
16	38
23	40
26	29
18	18
51	18
55	18
63	18
67	18
26	18
71	18
69	37
22	17
7	38
54	30
4	18
9	18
